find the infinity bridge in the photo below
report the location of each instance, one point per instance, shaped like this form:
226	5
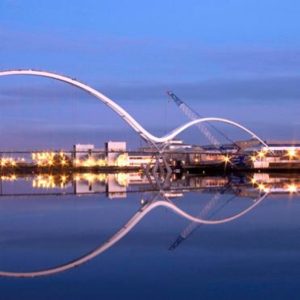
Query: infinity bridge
161	199
135	125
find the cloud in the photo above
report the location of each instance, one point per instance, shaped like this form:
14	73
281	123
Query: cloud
151	57
128	69
259	60
63	41
264	89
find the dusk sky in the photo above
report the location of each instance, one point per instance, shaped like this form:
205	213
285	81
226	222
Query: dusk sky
165	217
234	59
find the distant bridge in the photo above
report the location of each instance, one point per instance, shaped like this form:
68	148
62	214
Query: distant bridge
124	114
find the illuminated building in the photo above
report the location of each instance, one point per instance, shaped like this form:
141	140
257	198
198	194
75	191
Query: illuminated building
279	155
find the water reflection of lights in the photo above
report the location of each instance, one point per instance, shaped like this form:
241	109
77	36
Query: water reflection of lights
261	182
90	177
11	177
292	188
122	179
44	182
265	183
50	181
260	186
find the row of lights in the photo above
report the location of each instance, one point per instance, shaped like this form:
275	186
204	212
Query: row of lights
49	159
291	153
10	161
90	162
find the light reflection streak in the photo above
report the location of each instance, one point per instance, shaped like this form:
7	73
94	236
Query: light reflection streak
95	183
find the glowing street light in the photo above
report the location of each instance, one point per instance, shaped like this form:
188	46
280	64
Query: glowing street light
292	153
261	154
226	159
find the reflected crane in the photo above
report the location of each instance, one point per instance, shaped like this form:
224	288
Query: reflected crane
191	227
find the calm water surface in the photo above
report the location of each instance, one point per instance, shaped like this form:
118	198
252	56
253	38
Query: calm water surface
164	256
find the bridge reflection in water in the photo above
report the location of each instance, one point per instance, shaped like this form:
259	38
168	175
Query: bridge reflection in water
222	190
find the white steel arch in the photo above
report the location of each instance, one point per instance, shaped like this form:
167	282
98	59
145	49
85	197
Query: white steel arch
122	112
184	127
107	101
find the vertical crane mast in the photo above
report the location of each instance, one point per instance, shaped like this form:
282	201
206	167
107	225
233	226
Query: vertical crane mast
192	115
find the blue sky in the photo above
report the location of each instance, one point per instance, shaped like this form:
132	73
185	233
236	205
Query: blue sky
236	59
